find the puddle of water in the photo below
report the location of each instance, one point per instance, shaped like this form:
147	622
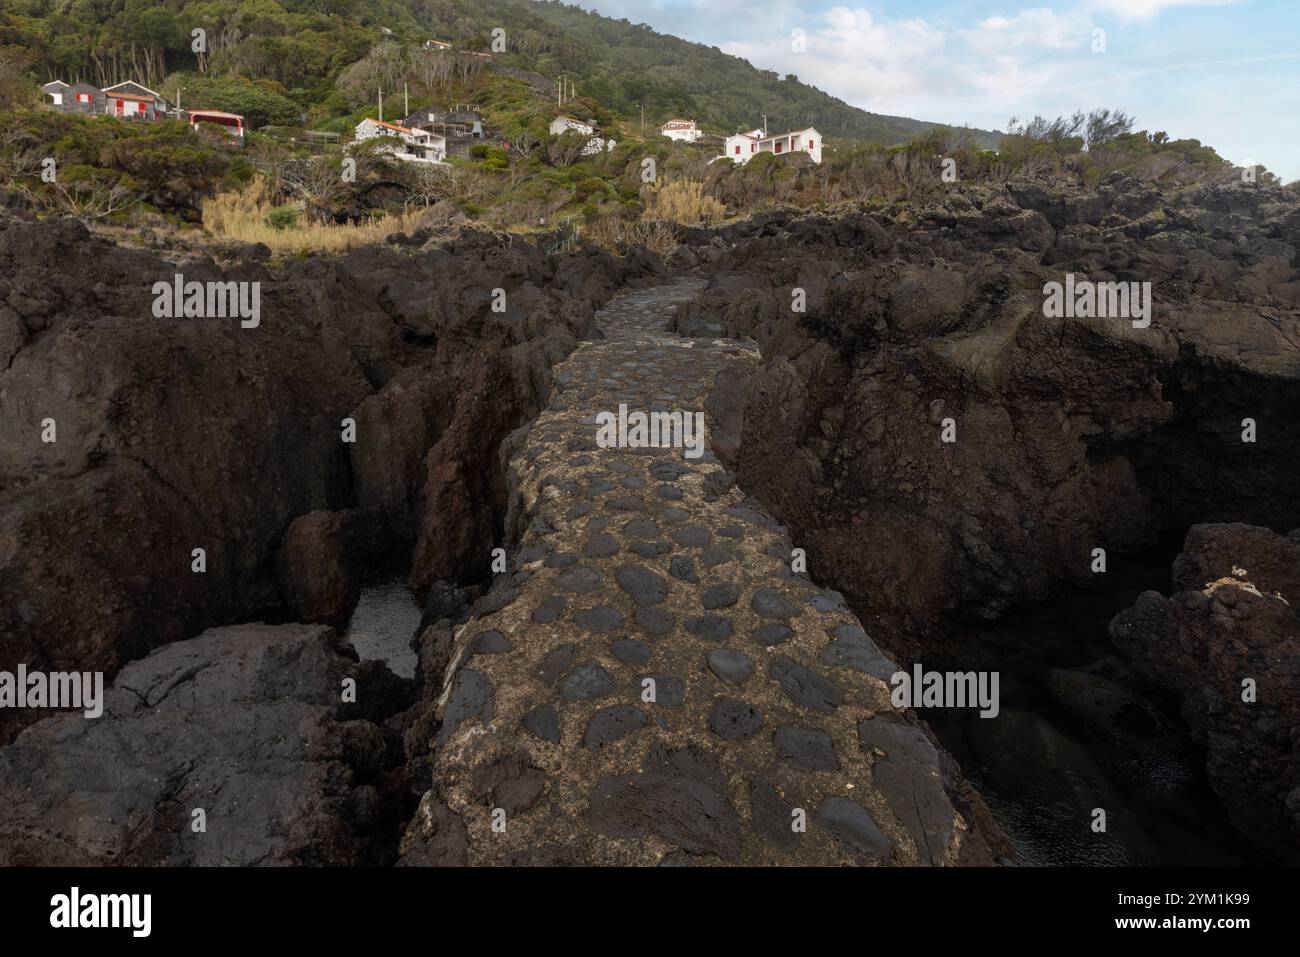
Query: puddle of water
383	624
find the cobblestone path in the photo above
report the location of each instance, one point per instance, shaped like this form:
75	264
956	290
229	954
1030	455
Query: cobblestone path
661	687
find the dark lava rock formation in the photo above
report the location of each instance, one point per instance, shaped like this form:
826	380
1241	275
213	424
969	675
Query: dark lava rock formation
1227	645
233	748
1071	434
178	434
651	680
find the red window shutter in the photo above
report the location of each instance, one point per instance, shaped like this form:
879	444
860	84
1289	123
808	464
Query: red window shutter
812	145
737	149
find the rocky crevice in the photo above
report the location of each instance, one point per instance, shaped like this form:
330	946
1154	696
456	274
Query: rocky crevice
194	433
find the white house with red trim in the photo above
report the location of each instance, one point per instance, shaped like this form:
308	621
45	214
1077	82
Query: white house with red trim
135	100
418	146
683	130
743	147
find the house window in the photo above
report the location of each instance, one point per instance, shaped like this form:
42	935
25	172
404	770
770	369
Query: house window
737	149
753	147
83	97
778	147
812	145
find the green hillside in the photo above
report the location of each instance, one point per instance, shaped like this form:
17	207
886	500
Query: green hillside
624	65
286	57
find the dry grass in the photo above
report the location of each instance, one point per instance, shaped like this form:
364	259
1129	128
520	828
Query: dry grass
618	235
683	201
242	216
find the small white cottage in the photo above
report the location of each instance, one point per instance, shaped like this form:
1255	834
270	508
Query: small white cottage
683	130
743	147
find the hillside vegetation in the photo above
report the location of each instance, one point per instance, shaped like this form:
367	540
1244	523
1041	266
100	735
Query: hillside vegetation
321	64
295	50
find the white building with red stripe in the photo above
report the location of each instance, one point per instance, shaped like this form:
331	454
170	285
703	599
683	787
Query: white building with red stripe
743	147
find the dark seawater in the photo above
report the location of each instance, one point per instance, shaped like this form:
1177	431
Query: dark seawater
383	624
1079	730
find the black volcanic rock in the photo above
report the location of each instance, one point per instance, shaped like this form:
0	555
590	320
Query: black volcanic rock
182	434
246	724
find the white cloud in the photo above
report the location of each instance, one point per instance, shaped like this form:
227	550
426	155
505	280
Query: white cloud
855	54
1020	57
1040	27
1146	9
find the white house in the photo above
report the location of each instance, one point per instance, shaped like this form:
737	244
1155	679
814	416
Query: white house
419	146
595	144
743	147
135	99
562	124
679	129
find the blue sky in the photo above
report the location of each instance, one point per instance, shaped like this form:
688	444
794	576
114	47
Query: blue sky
1226	72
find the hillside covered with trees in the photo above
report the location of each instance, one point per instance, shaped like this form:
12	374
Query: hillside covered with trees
280	59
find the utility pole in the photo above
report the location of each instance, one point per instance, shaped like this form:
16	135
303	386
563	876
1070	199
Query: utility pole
765	124
406	100
559	92
381	104
643	118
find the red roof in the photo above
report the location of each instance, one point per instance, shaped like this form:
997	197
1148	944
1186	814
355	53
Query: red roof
391	126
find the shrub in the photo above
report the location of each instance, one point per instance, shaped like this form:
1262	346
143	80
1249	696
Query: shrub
282	217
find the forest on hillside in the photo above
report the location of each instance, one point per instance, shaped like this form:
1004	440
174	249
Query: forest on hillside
278	60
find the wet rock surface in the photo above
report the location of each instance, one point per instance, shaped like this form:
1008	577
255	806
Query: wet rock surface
658	730
324	559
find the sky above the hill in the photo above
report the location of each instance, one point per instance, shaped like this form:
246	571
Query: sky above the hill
1226	72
